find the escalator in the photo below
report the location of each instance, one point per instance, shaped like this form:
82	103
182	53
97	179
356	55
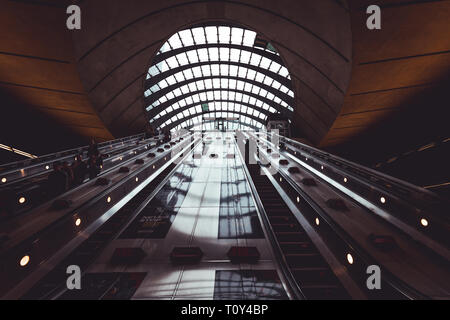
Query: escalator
310	271
54	283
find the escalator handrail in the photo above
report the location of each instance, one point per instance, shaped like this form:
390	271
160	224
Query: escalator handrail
372	172
22	164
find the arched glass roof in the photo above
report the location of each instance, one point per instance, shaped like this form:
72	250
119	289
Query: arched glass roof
217	71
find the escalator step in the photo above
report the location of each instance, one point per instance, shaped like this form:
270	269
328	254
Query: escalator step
297	247
314	276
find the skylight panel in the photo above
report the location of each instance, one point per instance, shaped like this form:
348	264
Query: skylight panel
211	34
274	67
245	56
265	63
208	84
192	87
184	89
163	84
251	74
268	81
197	71
215	70
182	59
224	54
249	38
233	71
172	62
224	70
200	85
240	85
216	82
192	56
199	35
234	55
186	37
255	59
242	72
259	77
284	72
153	71
224	34
236	35
174	42
163	99
213	54
206	71
170	95
179	76
177	92
203	54
223	83
188	74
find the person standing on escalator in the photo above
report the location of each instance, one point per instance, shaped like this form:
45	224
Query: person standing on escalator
93	149
95	162
79	169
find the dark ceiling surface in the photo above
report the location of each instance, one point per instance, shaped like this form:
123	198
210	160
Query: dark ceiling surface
397	97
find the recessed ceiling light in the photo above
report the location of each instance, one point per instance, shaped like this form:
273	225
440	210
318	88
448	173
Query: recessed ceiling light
424	222
350	258
24	261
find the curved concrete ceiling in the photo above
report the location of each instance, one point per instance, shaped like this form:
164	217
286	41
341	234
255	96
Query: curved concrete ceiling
349	82
397	72
38	70
119	39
